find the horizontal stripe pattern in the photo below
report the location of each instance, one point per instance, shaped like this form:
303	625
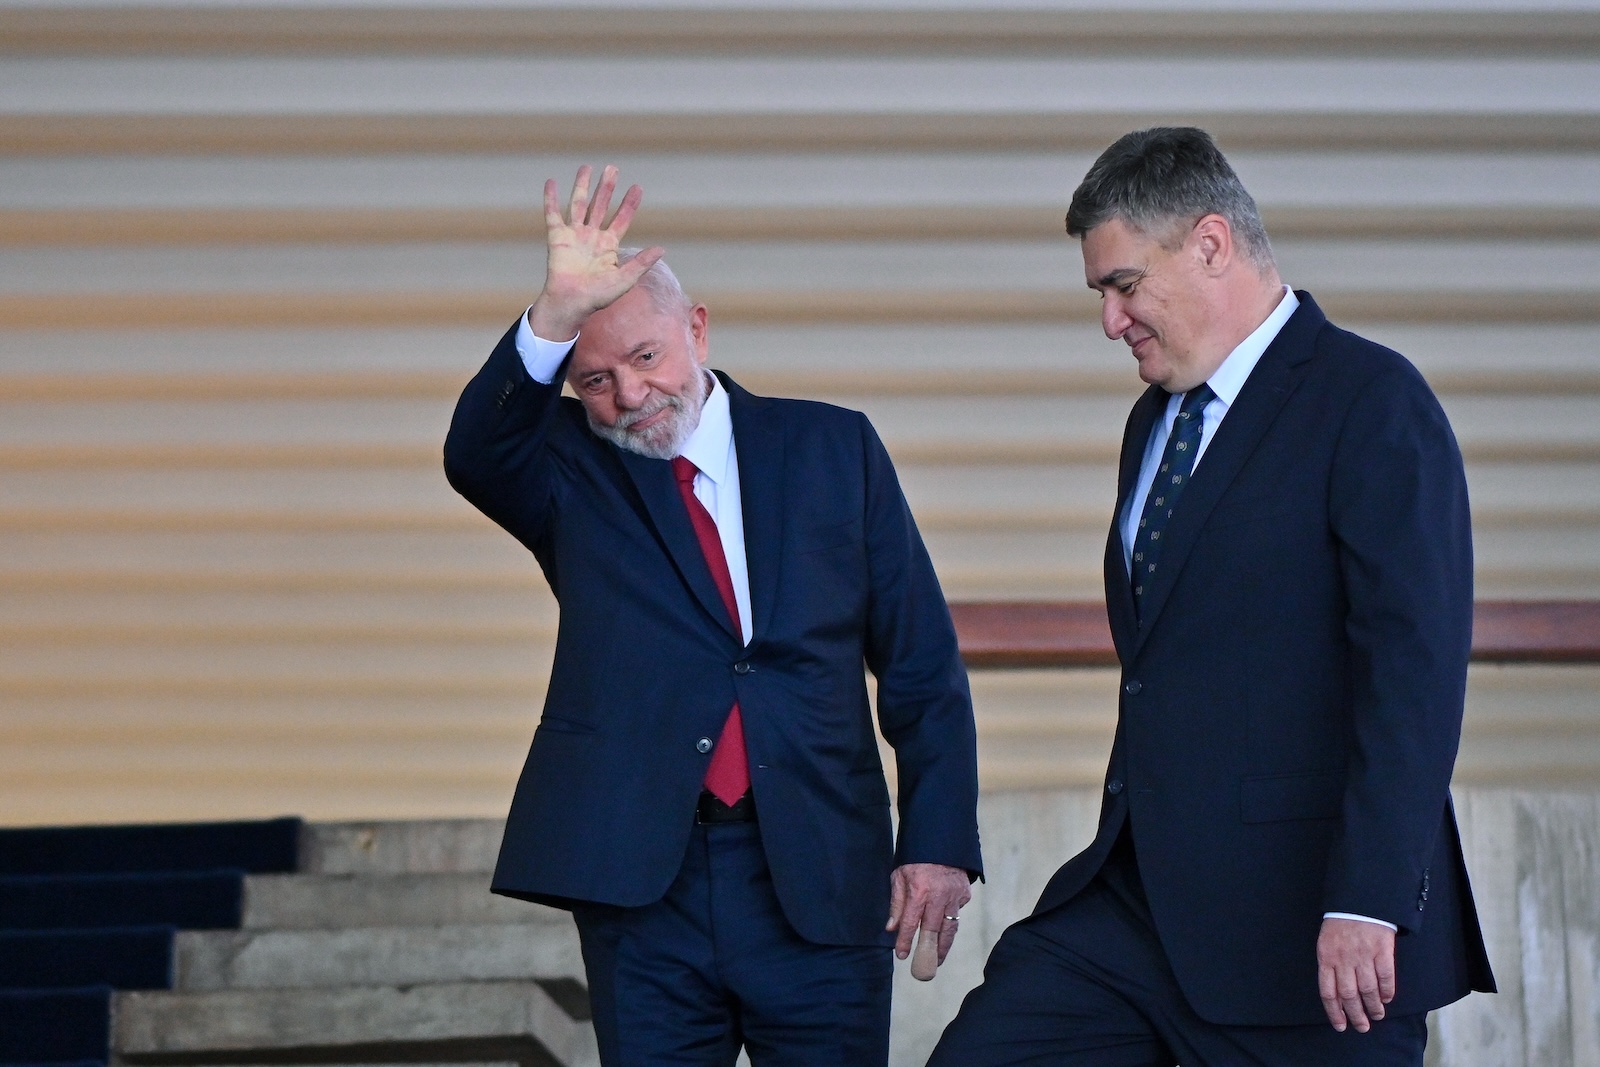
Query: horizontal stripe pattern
250	253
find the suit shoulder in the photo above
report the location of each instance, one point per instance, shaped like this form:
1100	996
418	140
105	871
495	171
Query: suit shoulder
826	432
1354	364
806	417
818	411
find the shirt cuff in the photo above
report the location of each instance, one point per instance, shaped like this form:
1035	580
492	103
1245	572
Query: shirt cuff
542	358
1360	919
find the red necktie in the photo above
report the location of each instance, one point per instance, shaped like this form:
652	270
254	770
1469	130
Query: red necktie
728	777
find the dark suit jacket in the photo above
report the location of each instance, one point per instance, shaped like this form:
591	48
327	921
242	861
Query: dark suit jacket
647	664
1291	704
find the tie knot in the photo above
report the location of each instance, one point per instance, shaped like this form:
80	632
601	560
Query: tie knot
1196	399
684	469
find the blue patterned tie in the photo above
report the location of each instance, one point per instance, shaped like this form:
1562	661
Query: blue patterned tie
1177	461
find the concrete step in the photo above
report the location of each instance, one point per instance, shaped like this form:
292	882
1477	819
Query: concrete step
427	846
371	1025
308	902
211	960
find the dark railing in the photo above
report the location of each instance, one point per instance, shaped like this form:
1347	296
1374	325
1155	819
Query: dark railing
1073	633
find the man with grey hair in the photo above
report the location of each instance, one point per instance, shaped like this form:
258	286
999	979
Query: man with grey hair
1276	878
704	791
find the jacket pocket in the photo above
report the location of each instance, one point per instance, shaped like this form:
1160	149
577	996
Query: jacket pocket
1243	512
1285	797
555	724
868	789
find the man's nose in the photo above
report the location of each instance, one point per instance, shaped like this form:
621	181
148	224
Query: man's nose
1113	319
631	391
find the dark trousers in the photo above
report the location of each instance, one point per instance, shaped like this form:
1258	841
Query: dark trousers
714	965
1088	984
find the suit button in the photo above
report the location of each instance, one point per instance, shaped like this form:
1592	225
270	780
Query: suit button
742	667
1114	786
1132	688
703	745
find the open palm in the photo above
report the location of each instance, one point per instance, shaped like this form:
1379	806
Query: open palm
582	274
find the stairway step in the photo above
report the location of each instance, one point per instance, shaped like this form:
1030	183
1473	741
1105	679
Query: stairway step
256	847
55	1026
372	1019
376	956
301	902
135	957
191	900
440	846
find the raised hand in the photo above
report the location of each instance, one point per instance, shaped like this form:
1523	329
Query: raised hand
582	274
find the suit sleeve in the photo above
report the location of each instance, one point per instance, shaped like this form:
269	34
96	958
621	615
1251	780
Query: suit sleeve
924	704
496	454
1398	504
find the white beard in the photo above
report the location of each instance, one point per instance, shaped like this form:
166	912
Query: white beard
667	438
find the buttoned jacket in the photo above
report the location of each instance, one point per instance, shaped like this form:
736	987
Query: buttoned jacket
1291	694
647	662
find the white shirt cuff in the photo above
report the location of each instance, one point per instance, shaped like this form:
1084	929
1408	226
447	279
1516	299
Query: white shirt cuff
1360	919
542	358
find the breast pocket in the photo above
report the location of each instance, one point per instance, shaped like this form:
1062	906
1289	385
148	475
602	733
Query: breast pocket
822	538
1246	512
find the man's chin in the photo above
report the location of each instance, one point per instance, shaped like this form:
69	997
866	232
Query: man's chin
658	442
1154	371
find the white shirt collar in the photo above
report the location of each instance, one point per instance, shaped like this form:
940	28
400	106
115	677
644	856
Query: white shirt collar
707	447
1230	377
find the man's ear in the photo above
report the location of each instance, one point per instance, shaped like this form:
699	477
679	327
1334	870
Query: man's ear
1212	240
698	332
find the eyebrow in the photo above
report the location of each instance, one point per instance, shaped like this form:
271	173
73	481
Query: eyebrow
1118	277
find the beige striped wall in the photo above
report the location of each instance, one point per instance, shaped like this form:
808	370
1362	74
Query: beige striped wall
249	253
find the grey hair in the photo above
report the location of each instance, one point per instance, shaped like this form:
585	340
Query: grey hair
1158	179
666	293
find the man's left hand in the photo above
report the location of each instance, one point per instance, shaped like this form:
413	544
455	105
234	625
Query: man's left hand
930	896
1355	972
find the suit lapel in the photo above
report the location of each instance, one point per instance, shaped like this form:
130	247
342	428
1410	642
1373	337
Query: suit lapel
1247	421
1119	591
758	441
664	503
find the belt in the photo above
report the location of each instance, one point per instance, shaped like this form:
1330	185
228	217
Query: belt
712	810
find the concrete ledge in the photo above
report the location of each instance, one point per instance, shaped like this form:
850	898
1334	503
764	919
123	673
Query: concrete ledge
158	1027
1534	859
456	846
393	956
305	902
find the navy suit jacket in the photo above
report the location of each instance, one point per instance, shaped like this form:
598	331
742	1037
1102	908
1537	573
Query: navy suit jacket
647	662
1291	702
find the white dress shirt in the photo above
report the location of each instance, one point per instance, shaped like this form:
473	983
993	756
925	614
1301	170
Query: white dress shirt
1226	383
710	448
